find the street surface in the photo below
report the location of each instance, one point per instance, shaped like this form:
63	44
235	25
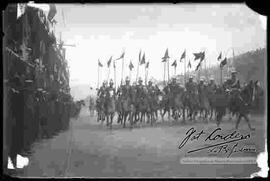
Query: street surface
89	149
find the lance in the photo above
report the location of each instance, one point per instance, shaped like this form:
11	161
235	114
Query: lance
122	70
185	70
138	68
145	75
164	72
98	77
114	67
168	69
108	76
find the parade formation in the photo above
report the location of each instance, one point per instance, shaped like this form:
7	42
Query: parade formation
139	103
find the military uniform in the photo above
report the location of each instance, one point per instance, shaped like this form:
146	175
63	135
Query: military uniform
191	87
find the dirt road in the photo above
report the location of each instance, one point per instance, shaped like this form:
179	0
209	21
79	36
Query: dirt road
89	149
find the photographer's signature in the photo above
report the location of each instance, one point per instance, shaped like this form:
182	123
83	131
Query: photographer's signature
224	143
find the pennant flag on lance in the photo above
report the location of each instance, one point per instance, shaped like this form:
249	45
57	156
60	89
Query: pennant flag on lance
100	64
143	59
130	66
174	63
147	65
198	66
166	56
183	55
189	64
122	56
223	62
219	57
109	62
202	55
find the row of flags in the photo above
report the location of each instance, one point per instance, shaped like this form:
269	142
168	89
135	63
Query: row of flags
198	56
131	66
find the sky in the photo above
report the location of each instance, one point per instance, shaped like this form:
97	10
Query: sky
100	31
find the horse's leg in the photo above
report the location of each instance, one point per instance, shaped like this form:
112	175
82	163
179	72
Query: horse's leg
248	122
184	119
238	121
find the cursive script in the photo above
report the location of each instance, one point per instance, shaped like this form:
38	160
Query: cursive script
216	135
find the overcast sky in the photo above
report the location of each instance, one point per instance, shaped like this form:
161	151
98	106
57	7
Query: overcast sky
101	31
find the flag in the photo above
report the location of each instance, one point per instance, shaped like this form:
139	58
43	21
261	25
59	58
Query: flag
197	55
109	62
166	56
189	64
122	56
174	63
147	65
198	66
130	66
224	62
219	57
183	55
200	55
143	59
100	64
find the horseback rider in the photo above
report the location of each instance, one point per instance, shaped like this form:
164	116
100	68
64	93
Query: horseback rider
110	91
150	89
191	86
233	82
174	87
101	91
201	86
126	89
212	84
139	88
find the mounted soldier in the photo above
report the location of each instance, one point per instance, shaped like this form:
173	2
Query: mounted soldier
192	97
109	106
191	86
233	82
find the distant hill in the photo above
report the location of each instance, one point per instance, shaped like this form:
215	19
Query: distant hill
250	65
81	91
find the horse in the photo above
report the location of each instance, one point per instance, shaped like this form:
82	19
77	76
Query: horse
192	101
100	109
204	103
180	103
109	107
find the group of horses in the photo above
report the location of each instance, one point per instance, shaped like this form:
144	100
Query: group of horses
178	104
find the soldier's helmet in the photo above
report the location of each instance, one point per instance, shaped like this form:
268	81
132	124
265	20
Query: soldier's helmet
105	82
202	79
127	79
191	77
212	78
150	82
140	79
111	82
134	83
233	72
